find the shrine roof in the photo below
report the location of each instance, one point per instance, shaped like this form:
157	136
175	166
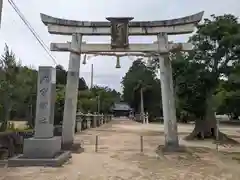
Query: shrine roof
121	107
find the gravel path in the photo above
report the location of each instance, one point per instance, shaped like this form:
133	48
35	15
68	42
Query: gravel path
119	158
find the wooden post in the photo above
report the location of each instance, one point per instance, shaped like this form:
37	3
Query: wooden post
96	144
141	143
217	132
91	83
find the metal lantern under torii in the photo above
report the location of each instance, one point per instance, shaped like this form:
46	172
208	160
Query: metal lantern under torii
84	59
138	56
118	62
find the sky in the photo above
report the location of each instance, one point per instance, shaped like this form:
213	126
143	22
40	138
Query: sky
16	35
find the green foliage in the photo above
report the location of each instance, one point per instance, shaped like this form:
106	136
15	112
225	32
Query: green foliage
190	86
8	84
59	105
62	78
230	94
18	87
216	48
89	99
207	78
140	76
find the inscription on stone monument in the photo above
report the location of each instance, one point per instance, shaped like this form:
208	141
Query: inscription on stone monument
44	79
43	120
44	84
43	105
43	91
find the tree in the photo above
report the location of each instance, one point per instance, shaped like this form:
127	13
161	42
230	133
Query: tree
89	99
59	105
230	94
151	95
61	78
18	88
216	48
189	86
25	106
8	89
198	74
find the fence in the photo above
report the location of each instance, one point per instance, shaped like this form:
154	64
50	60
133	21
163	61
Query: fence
12	142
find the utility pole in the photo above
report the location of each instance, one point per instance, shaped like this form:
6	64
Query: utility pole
98	104
1	9
91	84
142	106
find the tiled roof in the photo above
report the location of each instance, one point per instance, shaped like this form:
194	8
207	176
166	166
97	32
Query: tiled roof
122	107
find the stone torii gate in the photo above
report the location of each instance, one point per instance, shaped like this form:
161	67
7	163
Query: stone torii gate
120	28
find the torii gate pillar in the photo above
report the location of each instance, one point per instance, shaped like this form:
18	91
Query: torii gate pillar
71	93
168	100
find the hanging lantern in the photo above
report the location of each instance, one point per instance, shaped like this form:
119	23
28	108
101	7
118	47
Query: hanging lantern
84	59
118	62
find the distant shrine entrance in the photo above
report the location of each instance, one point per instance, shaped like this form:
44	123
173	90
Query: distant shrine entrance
121	109
120	28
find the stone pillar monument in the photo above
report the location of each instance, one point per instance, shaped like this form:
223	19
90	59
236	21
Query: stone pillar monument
43	149
70	106
44	144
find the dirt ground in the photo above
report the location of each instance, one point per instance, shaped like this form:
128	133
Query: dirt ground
119	157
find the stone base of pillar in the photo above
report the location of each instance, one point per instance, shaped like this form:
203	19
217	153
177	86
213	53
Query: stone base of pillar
41	152
41	148
73	147
57	161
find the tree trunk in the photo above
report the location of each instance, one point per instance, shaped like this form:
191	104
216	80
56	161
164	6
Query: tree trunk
206	127
6	117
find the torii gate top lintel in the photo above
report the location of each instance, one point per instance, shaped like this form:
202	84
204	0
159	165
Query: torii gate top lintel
181	25
192	19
